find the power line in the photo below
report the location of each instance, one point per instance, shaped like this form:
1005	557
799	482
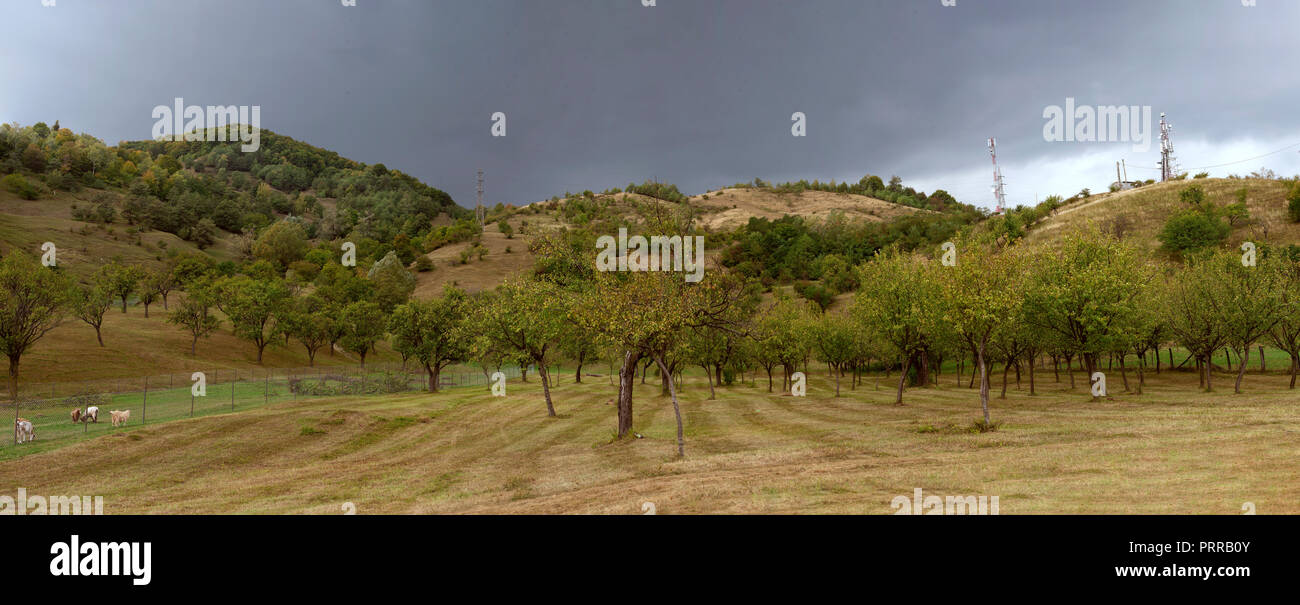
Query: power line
1229	163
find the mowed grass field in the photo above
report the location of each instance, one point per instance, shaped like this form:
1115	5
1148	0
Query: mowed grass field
1171	450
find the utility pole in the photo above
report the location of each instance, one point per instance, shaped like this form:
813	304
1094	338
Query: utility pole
999	191
479	212
1168	166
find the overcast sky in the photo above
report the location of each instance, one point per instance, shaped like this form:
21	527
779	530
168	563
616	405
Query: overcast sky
598	93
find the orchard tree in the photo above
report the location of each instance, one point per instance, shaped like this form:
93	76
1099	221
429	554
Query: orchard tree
782	336
980	296
901	303
310	322
1254	303
1285	334
89	304
163	282
361	325
527	317
1084	294
833	335
194	314
432	332
650	313
253	307
33	301
119	280
148	295
1198	319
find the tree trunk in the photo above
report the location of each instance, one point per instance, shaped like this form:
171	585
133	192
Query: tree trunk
1244	358
973	375
769	378
546	389
626	380
837	384
677	410
984	385
433	378
1031	379
577	375
1123	372
1006	368
98	336
709	374
902	378
13	384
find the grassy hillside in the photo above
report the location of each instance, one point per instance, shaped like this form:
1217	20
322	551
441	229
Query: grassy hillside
83	247
1140	213
729	208
1168	451
716	212
136	346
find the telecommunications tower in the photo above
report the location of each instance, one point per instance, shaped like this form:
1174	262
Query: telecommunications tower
999	192
1168	165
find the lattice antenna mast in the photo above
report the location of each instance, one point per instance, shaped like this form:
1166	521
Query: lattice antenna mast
1168	164
480	212
999	190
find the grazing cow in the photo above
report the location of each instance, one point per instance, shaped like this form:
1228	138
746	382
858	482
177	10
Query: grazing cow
76	415
120	418
26	432
92	414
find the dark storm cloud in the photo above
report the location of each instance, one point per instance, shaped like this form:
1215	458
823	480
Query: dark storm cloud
598	93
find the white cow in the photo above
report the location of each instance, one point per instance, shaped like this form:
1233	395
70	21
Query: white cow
120	417
92	414
26	432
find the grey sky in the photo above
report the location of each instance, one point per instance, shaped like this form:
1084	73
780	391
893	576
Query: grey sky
695	92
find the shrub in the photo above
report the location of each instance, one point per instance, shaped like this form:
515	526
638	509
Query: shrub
1193	230
1293	203
15	183
423	264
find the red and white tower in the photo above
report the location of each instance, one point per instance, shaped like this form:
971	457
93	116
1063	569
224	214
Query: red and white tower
1168	165
999	191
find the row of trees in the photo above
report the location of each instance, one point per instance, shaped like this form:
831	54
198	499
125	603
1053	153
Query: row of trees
1087	298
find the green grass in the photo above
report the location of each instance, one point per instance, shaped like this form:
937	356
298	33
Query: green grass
1171	450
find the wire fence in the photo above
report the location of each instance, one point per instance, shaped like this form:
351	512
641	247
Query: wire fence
167	397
